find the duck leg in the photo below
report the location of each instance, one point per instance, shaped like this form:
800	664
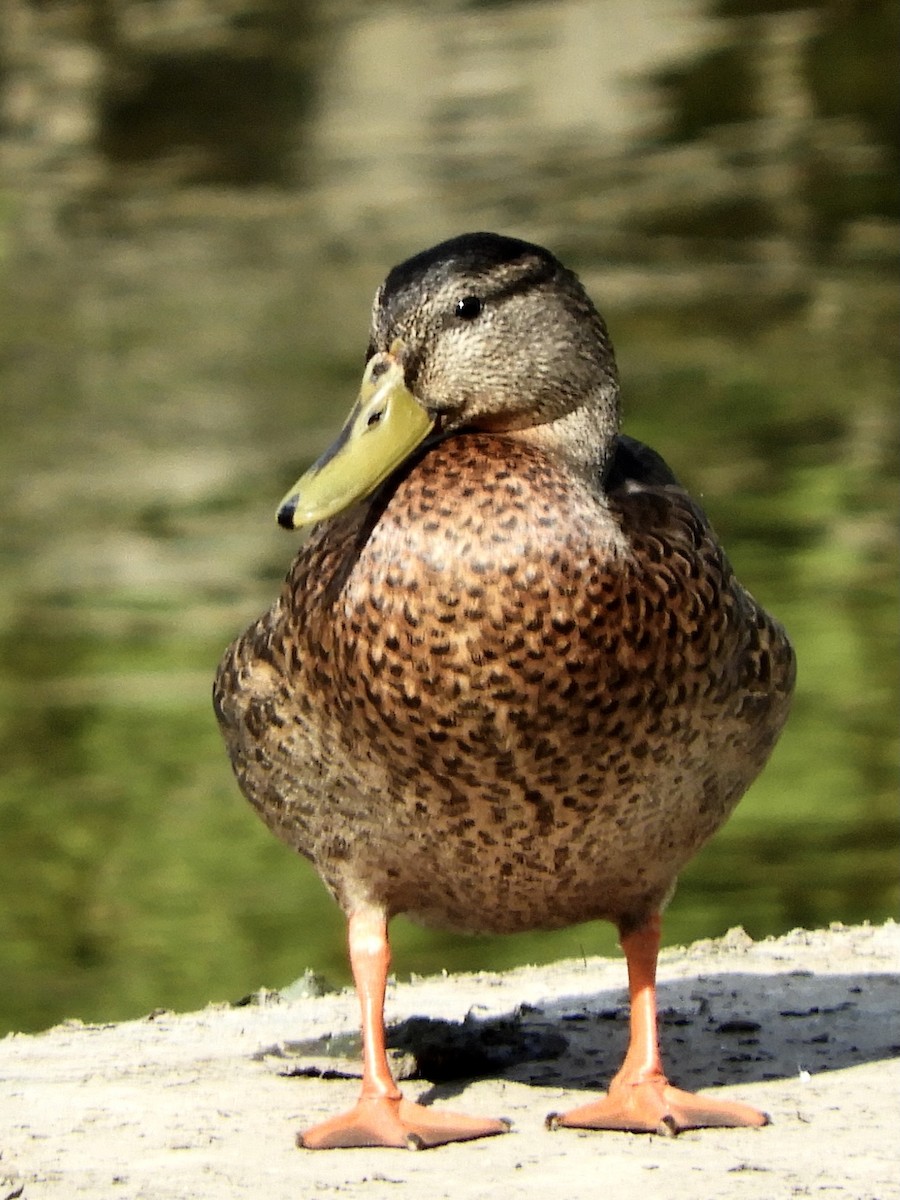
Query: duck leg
381	1116
640	1098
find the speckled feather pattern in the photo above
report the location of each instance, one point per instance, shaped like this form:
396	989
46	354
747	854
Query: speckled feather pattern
497	699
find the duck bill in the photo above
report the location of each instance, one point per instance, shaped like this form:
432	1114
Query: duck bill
384	427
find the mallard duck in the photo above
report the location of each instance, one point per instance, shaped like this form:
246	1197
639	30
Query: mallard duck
510	681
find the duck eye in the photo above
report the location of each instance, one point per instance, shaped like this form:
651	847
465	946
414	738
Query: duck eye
469	307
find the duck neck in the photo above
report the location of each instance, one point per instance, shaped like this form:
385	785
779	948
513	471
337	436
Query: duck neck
582	439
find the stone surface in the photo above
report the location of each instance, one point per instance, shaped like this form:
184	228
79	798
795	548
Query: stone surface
207	1104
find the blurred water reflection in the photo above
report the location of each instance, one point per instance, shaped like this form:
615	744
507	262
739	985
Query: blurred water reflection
191	245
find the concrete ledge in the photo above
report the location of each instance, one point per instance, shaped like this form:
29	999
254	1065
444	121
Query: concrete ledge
205	1105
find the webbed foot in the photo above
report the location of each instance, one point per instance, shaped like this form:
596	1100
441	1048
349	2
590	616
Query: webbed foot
655	1106
385	1121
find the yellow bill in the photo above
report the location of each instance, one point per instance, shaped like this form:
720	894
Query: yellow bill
384	427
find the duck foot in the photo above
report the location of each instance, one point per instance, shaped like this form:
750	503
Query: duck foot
655	1106
385	1121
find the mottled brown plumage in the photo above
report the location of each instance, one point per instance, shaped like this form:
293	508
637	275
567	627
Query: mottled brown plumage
519	686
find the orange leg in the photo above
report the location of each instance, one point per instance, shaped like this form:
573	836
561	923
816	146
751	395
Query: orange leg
640	1098
381	1116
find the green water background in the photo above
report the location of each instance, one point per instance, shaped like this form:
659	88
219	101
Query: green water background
180	356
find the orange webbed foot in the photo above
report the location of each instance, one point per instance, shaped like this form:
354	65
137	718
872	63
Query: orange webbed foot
386	1121
655	1106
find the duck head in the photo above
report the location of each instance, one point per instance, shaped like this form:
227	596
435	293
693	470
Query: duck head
481	332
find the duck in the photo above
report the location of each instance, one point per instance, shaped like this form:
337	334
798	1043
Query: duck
510	681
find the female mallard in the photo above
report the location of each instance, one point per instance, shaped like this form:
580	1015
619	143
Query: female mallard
511	681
